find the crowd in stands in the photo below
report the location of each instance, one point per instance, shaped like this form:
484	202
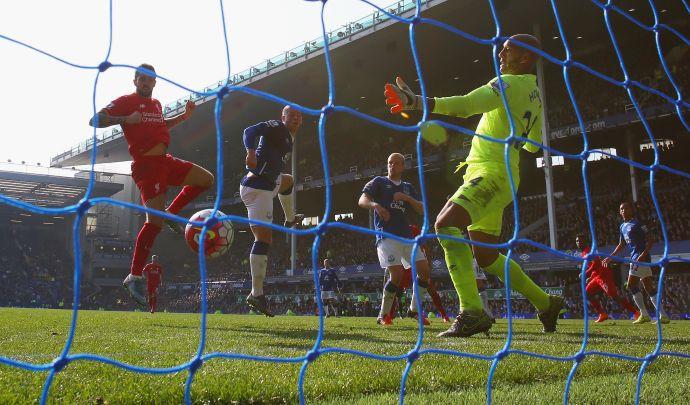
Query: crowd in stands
36	268
345	246
609	184
37	277
597	98
33	273
363	297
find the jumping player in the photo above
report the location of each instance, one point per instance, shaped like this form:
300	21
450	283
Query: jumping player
269	146
148	135
154	278
390	197
328	279
600	278
478	204
639	241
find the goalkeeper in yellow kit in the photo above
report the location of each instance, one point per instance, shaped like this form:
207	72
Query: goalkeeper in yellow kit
479	202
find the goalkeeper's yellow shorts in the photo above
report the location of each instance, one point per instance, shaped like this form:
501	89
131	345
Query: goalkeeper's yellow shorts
484	193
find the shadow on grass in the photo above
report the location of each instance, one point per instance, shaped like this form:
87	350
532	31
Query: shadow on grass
329	335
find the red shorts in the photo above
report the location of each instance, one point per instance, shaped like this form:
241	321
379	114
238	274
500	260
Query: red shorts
406	281
153	174
153	290
605	284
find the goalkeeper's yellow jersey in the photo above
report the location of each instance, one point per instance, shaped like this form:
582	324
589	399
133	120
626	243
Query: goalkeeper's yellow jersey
525	105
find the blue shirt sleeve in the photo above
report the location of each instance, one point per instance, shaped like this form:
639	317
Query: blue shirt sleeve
371	187
253	134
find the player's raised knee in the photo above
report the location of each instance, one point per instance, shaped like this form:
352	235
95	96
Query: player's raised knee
208	179
441	221
438	224
286	181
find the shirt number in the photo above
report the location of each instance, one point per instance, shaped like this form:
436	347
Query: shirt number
528	128
475	181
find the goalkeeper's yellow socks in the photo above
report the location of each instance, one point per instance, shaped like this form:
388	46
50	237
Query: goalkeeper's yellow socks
459	262
520	282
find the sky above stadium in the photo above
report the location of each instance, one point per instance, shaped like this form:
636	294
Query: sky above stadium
46	105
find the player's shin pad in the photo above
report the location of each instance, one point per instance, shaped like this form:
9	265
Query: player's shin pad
422	286
389	291
286	201
258	261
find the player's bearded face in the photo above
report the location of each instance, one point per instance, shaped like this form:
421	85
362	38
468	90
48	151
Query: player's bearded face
144	85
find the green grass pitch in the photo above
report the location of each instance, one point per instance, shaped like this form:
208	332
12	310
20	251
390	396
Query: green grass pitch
166	339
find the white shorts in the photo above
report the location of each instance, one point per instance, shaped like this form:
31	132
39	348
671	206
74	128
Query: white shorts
259	203
394	253
328	295
640	271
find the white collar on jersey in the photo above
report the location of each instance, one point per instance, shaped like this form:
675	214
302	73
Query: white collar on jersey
397	183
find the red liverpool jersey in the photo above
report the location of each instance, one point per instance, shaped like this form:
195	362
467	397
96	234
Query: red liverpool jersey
153	274
595	268
152	129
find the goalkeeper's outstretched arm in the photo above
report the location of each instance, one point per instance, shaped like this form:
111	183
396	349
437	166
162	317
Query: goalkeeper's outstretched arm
480	100
515	59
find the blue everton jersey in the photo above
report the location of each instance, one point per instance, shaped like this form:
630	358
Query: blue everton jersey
381	190
273	144
635	236
328	278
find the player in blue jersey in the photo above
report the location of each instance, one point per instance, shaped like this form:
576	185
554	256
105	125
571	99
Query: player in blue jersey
634	234
390	197
330	283
269	146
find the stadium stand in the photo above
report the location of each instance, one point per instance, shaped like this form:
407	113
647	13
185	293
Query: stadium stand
605	108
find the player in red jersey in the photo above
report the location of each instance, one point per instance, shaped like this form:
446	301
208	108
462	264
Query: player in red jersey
154	278
147	133
600	278
407	283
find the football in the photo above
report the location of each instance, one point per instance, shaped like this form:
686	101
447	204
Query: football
218	237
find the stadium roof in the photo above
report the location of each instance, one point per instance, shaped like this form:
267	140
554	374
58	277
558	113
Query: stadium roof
363	59
50	187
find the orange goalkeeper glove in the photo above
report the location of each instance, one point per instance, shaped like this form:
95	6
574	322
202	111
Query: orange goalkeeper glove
400	97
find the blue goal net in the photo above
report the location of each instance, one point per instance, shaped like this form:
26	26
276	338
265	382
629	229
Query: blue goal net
407	12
